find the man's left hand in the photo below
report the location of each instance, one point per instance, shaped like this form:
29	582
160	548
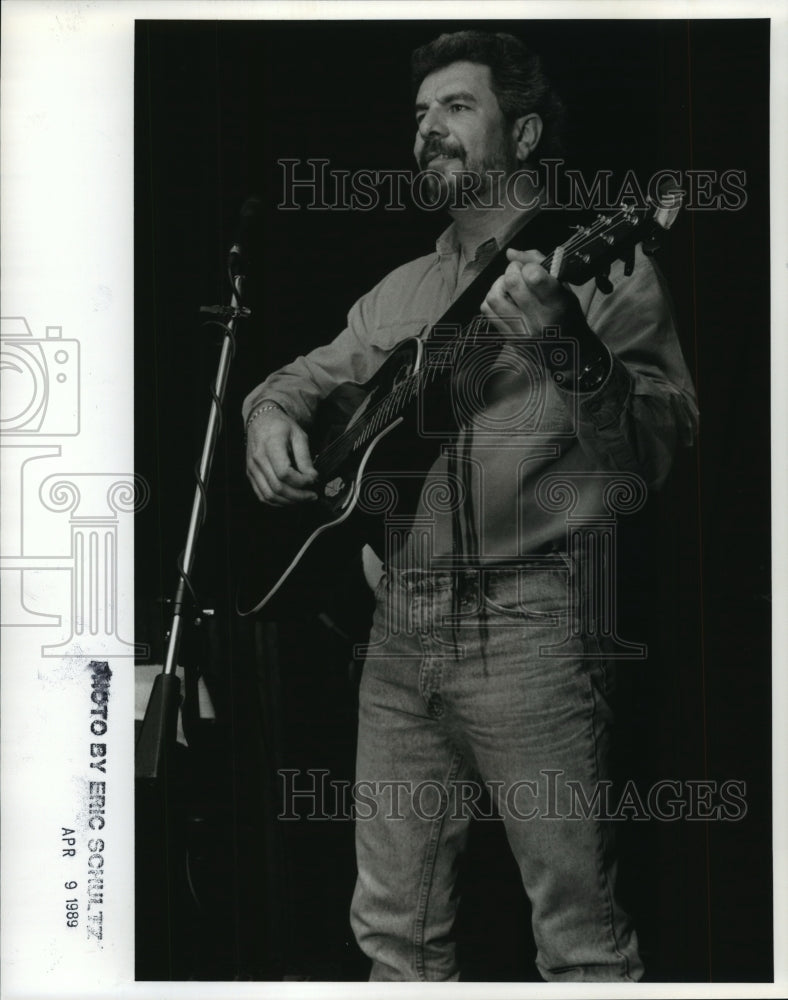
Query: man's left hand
525	294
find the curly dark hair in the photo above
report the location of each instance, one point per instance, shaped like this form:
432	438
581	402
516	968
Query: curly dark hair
518	80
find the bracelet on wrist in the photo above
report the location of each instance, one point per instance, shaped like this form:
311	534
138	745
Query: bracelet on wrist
261	408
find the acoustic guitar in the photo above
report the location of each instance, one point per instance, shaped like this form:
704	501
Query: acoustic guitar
405	414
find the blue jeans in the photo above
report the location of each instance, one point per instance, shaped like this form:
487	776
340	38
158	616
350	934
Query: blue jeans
462	690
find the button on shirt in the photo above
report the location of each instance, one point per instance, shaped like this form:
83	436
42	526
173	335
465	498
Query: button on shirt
521	426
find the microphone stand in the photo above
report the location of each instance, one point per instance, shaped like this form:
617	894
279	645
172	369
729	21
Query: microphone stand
160	722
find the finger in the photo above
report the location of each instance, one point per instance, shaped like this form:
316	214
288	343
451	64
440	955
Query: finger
251	475
498	298
288	488
262	489
537	278
272	453
261	479
525	256
301	454
514	283
271	488
508	298
255	474
279	465
499	323
292	494
539	284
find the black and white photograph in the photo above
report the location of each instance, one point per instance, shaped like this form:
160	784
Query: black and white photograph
418	625
496	705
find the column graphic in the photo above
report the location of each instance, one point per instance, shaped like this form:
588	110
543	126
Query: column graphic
592	501
95	503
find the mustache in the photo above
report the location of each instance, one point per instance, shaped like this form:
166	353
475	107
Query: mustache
437	147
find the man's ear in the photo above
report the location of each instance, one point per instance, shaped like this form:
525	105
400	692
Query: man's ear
526	132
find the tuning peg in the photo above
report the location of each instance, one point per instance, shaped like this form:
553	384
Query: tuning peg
604	284
667	205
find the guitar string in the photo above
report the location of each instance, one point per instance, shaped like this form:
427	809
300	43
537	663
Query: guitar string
374	418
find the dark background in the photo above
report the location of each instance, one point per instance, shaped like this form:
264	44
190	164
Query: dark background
224	891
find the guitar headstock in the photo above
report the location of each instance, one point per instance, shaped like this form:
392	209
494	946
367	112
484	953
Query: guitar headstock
591	249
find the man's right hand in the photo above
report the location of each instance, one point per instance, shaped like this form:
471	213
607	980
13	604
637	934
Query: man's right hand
278	462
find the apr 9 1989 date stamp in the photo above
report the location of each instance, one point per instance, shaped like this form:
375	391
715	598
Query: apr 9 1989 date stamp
85	899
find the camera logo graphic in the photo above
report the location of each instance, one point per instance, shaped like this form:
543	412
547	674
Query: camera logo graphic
505	385
39	379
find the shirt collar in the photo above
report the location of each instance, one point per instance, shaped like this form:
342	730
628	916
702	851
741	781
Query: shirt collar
448	242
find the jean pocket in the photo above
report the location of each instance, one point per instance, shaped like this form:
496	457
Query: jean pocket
541	596
517	611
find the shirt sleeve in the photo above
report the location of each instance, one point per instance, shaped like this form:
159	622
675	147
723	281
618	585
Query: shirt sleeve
646	407
353	356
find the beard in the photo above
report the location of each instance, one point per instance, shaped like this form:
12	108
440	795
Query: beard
478	181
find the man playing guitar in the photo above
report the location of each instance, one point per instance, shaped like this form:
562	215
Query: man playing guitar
464	682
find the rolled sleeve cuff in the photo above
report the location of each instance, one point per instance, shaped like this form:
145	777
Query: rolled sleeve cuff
603	407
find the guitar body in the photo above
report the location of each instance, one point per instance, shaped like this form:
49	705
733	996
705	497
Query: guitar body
299	545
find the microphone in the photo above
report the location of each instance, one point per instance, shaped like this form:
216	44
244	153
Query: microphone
251	211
